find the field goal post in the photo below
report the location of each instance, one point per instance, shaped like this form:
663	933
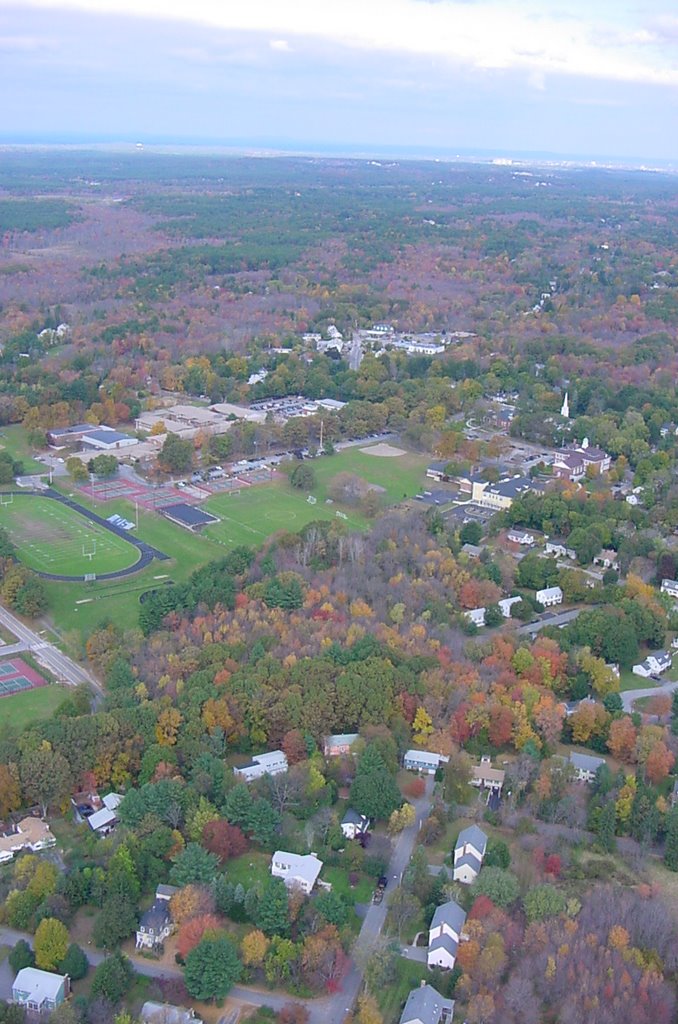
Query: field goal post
90	554
6	499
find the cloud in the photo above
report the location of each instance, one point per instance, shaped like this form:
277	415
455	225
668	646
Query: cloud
541	36
281	45
26	44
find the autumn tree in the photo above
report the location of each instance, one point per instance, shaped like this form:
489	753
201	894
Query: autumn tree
191	901
10	789
192	932
253	948
51	943
224	840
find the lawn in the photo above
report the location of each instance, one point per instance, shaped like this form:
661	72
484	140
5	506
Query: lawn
401	477
13	440
51	537
21	709
392	997
249	869
338	876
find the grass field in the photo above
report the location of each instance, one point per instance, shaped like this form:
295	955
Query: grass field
51	537
21	709
13	439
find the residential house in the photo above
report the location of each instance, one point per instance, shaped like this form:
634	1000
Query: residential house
521	537
484	776
296	870
506	604
425	1005
29	834
445	934
165	1013
586	766
654	665
670	587
84	805
472	550
476	616
423	761
502	494
40	991
272	763
156	923
607	559
354	824
559	549
549	596
104	821
339	744
469	852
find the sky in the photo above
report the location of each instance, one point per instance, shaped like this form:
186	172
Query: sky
585	78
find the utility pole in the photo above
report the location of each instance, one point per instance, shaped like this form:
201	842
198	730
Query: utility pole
322	424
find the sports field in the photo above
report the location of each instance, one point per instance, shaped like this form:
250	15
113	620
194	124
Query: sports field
51	537
22	709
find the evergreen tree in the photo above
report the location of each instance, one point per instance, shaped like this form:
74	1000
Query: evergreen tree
273	916
674	713
212	969
607	821
374	791
671	847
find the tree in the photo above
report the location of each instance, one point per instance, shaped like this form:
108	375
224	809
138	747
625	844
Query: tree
10	789
607	822
671	847
192	932
368	1011
499	885
498	854
659	763
273	916
45	776
543	901
113	978
674	713
402	819
212	969
332	907
75	964
262	821
238	804
51	943
21	956
471	533
302	477
194	865
103	465
176	455
493	615
374	791
622	738
224	840
191	901
253	948
77	469
404	906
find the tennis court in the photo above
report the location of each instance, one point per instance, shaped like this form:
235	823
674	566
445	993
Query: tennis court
16	677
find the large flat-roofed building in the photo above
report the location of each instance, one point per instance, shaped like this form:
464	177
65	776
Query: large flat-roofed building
105	438
272	763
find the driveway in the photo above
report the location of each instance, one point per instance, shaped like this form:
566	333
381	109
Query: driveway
629	696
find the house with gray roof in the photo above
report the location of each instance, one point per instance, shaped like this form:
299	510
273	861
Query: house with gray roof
469	852
423	761
586	766
444	935
425	1005
273	762
354	824
155	925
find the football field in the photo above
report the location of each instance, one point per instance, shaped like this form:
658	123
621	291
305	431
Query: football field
54	538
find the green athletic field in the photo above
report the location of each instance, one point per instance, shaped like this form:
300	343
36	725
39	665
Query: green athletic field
22	709
51	537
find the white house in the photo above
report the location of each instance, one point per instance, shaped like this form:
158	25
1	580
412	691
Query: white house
654	664
30	834
104	821
423	761
586	766
296	870
469	852
40	991
476	616
425	1005
520	537
670	587
607	559
559	549
484	776
272	763
444	935
506	604
549	596
354	824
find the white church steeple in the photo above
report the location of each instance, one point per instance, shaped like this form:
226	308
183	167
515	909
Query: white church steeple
565	410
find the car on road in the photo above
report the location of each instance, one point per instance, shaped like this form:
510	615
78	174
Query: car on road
382	882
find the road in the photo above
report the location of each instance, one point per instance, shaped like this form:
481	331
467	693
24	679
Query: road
63	668
328	1009
550	619
629	696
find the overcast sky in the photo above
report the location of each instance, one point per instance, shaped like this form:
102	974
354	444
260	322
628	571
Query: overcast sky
587	77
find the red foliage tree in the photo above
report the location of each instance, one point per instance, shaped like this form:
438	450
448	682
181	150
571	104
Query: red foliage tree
191	932
224	840
294	746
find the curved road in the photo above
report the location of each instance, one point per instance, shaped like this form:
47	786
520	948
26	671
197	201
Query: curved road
629	696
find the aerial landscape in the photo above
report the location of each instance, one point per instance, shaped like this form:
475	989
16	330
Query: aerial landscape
338	514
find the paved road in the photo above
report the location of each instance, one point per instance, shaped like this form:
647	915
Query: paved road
552	619
60	665
629	696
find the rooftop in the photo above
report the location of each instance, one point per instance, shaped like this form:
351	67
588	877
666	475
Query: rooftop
450	914
426	1004
37	984
473	835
